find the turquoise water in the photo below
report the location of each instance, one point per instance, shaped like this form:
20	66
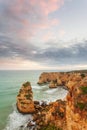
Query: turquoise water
10	82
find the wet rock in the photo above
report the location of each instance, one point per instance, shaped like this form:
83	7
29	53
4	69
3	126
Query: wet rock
36	102
30	124
43	103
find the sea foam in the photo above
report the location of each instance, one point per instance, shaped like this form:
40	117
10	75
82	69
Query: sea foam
17	121
51	91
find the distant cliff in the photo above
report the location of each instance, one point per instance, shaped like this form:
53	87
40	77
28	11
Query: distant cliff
56	79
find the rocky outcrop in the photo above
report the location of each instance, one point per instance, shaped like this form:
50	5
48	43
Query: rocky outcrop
67	114
25	102
53	84
48	77
56	79
76	107
75	111
52	116
70	114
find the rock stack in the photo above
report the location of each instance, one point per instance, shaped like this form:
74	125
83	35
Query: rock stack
25	102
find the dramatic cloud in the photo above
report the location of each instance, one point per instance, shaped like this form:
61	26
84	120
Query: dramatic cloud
74	54
13	48
30	31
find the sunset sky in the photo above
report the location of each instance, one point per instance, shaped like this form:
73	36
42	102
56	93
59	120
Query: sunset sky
43	34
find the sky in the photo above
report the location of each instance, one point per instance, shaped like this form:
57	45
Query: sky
43	34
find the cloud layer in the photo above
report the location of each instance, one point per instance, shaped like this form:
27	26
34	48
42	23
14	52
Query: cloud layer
74	54
24	18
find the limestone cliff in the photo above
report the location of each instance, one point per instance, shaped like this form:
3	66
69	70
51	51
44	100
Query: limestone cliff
70	114
76	107
25	102
56	79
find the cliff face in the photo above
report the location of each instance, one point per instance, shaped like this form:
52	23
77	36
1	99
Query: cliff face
75	114
70	114
76	107
56	114
48	77
56	79
52	116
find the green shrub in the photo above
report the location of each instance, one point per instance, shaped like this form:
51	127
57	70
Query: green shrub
22	103
82	75
26	84
81	105
28	96
84	89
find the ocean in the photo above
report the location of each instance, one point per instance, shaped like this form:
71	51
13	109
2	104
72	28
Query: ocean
10	83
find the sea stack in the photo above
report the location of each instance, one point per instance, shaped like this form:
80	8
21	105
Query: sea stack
25	102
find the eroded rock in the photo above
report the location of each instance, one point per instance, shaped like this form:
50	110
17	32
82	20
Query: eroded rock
70	114
25	103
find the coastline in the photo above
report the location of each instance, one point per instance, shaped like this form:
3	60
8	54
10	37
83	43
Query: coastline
46	93
10	82
60	114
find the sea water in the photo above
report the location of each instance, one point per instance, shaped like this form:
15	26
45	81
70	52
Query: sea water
10	83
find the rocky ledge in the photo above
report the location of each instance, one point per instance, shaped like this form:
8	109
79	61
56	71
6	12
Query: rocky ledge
68	114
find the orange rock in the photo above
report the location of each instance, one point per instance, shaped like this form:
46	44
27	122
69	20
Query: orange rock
25	102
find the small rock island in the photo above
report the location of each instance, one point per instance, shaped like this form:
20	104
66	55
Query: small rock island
25	103
67	114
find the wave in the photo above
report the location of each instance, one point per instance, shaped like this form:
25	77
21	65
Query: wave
39	87
16	121
36	87
51	91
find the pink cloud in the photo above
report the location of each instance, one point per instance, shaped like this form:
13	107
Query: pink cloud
39	7
62	32
50	6
33	15
47	36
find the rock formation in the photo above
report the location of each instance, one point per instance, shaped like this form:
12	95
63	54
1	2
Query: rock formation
52	116
48	77
25	102
68	114
56	79
76	107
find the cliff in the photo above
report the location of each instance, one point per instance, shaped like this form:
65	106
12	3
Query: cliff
55	79
76	106
69	114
